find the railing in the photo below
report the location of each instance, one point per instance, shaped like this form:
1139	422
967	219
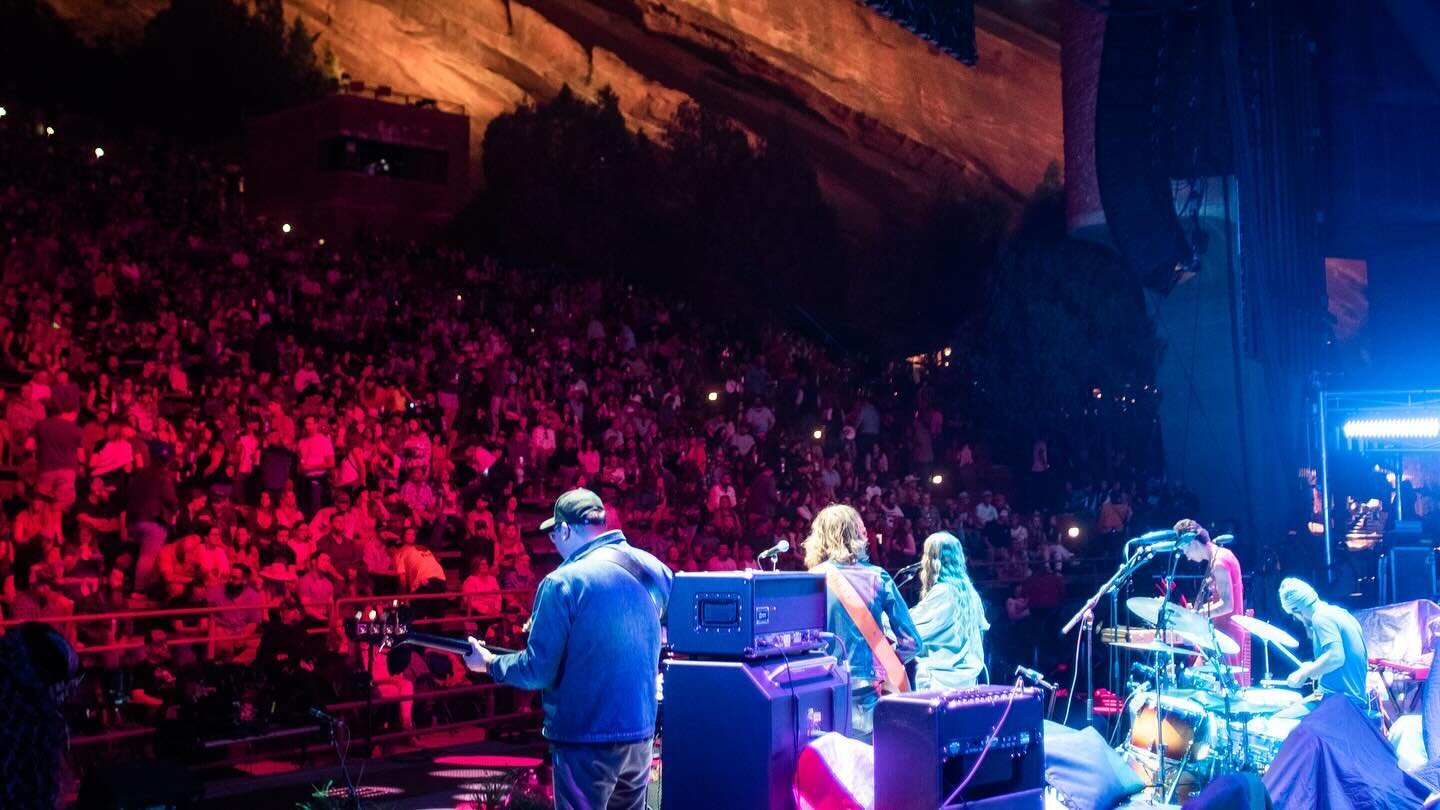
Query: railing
336	611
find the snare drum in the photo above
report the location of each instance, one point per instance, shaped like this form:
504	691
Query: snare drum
1266	735
1269	700
1184	731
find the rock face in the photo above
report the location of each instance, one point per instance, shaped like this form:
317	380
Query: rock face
889	122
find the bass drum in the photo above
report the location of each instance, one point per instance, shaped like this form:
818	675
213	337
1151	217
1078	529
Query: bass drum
1185	730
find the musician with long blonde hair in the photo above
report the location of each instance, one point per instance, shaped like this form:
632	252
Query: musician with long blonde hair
950	618
860	599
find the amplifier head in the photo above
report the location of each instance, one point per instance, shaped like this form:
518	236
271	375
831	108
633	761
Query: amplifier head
746	614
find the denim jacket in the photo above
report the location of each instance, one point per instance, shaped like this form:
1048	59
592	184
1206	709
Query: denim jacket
876	587
594	648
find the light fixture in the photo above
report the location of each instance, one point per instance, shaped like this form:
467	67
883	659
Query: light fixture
713	396
937	479
3	113
285	228
818	434
49	130
1073	532
1421	427
99	152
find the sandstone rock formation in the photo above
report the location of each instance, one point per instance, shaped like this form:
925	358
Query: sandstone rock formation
889	122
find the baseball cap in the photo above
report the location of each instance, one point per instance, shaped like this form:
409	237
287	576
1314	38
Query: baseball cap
576	507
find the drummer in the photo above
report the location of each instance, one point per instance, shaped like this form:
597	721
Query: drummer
1336	640
1222	592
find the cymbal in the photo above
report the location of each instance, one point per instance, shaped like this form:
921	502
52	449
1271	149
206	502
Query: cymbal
1153	647
1265	631
1213	642
1179	619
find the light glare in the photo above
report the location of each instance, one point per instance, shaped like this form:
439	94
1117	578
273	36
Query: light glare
285	228
1411	428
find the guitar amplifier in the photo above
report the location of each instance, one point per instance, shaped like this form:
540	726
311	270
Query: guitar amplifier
928	743
746	614
734	730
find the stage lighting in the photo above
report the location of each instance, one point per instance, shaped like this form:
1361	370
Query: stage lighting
937	479
99	153
818	434
1073	532
285	228
713	396
1424	427
3	113
49	130
947	351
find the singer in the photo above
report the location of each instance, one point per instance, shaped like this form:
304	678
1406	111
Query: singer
1222	591
950	618
858	595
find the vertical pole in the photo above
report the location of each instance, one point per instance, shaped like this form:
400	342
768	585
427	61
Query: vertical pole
1325	488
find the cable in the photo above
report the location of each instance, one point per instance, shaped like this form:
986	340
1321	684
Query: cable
1075	678
794	710
1015	692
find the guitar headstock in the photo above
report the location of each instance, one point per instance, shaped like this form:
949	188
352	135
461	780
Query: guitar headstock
379	627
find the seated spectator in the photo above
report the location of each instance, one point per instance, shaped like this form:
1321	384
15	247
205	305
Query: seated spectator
178	565
236	628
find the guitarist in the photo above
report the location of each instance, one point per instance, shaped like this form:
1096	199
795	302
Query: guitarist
1336	639
858	595
593	652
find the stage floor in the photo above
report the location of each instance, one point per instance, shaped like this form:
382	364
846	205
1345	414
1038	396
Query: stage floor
438	774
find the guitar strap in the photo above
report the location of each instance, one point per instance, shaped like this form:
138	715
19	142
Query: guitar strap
659	595
896	680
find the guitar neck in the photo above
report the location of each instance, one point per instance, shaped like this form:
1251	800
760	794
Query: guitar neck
457	646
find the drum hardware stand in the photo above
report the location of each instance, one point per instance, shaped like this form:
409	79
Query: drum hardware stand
1161	624
1086	615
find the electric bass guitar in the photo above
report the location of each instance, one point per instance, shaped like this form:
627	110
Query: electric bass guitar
390	628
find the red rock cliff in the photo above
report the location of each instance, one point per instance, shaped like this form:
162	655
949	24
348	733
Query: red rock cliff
890	122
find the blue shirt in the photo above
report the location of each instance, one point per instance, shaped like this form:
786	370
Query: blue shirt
878	591
1331	628
594	648
954	653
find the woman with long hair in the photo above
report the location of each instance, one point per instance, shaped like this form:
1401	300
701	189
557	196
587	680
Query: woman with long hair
838	547
950	618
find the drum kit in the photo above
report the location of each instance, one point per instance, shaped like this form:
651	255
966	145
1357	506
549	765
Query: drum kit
1192	720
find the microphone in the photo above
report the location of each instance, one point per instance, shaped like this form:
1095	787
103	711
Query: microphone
774	551
1158	542
322	715
1034	677
909	569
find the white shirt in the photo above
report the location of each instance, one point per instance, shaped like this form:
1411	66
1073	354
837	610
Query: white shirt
316	452
986	513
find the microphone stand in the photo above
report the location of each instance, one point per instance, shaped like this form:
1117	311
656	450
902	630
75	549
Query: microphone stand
1086	614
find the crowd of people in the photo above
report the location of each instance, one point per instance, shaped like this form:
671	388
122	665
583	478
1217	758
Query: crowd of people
204	410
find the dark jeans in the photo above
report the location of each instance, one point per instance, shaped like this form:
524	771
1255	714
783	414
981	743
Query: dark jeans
612	776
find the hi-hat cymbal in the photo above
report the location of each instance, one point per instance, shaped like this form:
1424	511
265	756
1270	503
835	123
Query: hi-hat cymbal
1152	647
1265	631
1179	619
